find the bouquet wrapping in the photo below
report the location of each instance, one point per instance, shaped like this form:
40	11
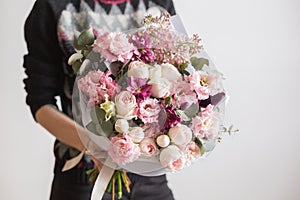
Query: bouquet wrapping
150	100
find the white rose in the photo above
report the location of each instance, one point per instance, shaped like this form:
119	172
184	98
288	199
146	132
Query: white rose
172	158
136	134
180	135
148	147
170	72
121	126
126	105
163	140
138	69
160	87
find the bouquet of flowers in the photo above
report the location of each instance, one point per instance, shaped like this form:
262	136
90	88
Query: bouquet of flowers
151	100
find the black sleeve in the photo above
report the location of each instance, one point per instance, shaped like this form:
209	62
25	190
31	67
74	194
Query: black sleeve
43	63
166	4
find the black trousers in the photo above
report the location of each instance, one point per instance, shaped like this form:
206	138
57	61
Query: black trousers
73	185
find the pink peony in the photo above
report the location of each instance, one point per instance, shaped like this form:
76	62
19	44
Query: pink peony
180	135
114	47
172	158
149	110
122	150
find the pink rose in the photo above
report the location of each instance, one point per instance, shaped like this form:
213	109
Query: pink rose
149	110
126	105
172	158
122	150
148	147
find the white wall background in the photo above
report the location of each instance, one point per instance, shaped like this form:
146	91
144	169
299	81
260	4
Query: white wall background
255	43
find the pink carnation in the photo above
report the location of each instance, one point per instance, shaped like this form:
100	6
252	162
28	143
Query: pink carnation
123	150
114	47
96	84
192	152
149	110
206	125
185	95
202	83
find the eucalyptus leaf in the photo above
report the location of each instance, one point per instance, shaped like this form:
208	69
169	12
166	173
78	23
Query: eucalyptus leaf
107	128
93	56
202	150
182	115
76	66
97	115
92	127
198	63
192	110
87	37
74	58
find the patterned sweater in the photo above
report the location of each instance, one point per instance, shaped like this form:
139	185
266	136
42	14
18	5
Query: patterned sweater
49	33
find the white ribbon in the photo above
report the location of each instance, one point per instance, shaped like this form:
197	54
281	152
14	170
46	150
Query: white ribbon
73	162
102	182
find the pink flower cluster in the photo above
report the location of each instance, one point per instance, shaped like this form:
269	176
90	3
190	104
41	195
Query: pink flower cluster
97	84
114	47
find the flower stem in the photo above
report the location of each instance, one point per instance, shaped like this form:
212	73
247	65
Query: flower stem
120	193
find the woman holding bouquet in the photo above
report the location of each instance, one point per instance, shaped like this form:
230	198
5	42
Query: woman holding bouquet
49	33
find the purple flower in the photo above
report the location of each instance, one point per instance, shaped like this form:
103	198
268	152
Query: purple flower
172	118
143	44
139	88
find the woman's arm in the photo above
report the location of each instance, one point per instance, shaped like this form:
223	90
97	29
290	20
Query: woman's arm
60	126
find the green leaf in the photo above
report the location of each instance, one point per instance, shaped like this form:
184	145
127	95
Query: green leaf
182	115
87	37
97	114
93	56
76	66
92	127
192	110
186	72
74	58
167	100
230	128
104	129
198	63
107	128
202	150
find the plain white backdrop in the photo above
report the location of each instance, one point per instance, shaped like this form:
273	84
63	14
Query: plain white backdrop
255	43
